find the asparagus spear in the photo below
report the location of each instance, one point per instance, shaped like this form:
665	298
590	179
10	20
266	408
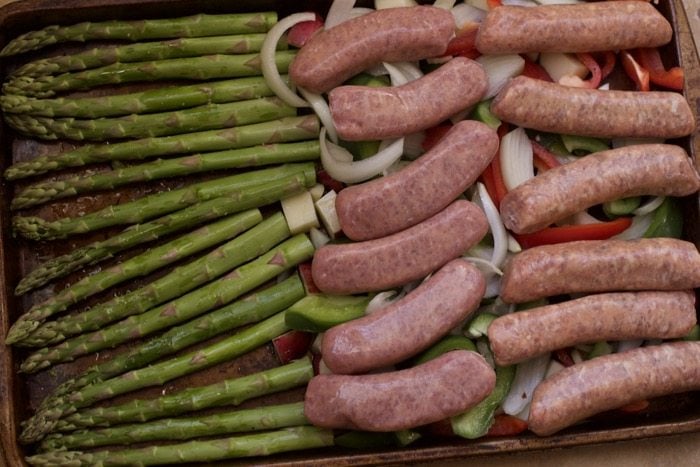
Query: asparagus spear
253	308
140	233
259	418
276	131
237	186
204	117
192	68
139	265
162	168
228	392
146	51
261	444
188	26
155	100
191	305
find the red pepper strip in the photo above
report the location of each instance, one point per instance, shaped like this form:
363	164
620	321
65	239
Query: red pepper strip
535	70
307	279
544	159
434	134
608	65
564	357
634	407
489	184
570	233
596	75
507	425
292	345
493	4
464	43
300	33
328	181
650	60
634	70
499	185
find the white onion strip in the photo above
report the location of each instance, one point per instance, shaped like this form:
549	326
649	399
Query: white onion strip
640	224
267	58
499	69
398	78
516	158
465	13
649	207
498	230
381	300
320	106
339	12
444	4
337	161
528	375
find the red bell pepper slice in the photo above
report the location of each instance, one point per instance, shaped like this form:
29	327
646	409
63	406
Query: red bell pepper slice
609	60
571	233
464	43
544	159
635	71
300	33
596	75
650	60
564	357
307	279
507	425
328	181
535	70
434	134
493	4
292	345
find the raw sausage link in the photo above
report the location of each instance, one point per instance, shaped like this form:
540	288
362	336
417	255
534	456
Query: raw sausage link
554	108
363	113
649	169
407	326
440	388
613	316
611	381
587	27
391	35
601	266
389	204
398	259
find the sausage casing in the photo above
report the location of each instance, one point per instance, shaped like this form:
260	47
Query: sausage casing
407	326
363	113
601	266
647	169
551	107
389	204
611	316
397	259
432	391
611	381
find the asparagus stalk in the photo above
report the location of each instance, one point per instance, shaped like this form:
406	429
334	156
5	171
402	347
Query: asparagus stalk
276	131
204	67
253	308
204	117
146	51
216	293
227	392
188	26
259	418
155	100
238	186
162	168
261	444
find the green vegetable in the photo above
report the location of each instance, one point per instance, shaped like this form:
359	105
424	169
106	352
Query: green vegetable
621	207
188	26
275	131
406	437
317	313
551	141
599	349
476	422
479	326
694	334
443	346
365	79
667	220
582	145
482	112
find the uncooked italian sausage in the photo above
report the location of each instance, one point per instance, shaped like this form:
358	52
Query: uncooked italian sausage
601	266
586	27
432	391
611	316
390	35
389	204
551	107
611	381
649	169
364	113
407	326
402	257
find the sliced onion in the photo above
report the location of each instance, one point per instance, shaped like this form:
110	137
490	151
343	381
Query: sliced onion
398	78
558	65
360	11
320	106
559	2
409	69
528	375
336	162
383	4
498	230
624	346
444	4
482	346
381	300
498	307
640	224
413	145
481	251
516	158
484	265
339	12
513	245
267	58
499	69
649	207
525	3
318	237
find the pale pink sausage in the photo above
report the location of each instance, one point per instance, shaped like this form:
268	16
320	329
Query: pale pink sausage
611	381
386	205
648	169
432	391
407	326
551	107
611	316
397	259
363	113
585	27
601	266
390	35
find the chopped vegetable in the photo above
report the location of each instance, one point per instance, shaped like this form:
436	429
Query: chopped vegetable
292	345
482	112
600	349
621	207
307	279
634	407
582	145
443	346
300	33
543	158
570	233
327	213
516	158
560	65
694	334
479	326
435	134
596	74
635	71
650	60
528	375
464	43
299	212
667	220
534	70
499	69
317	313
507	425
